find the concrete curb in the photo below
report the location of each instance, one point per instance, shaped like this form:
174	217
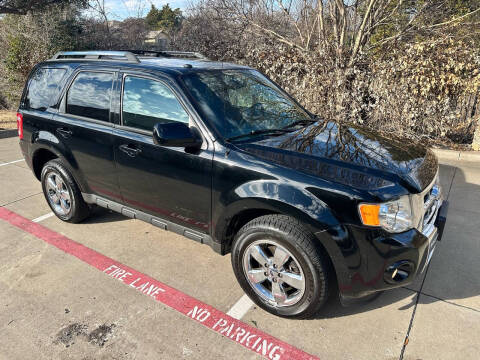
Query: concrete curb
8	133
458	155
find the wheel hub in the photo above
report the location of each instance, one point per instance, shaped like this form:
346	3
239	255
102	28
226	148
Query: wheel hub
274	273
58	194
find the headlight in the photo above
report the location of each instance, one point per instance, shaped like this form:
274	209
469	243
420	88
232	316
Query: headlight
393	216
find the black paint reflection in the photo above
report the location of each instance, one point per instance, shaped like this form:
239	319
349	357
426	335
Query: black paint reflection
349	154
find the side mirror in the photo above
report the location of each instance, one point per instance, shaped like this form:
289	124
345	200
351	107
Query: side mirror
176	134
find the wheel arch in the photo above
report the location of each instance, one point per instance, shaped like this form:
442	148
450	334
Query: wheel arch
237	221
40	158
264	198
44	151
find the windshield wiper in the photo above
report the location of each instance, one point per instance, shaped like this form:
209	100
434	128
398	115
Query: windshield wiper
259	132
283	130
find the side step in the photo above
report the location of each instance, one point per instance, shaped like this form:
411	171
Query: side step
156	221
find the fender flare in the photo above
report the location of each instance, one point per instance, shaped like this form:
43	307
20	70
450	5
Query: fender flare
277	197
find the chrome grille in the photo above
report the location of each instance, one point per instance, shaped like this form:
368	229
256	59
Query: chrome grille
431	204
426	206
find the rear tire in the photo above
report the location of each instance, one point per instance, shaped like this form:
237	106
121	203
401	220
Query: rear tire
280	267
62	193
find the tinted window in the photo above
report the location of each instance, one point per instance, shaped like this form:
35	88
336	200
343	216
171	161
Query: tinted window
147	102
89	95
43	88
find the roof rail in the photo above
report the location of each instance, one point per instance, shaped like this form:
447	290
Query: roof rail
169	54
96	55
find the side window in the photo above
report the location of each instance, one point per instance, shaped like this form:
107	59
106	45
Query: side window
89	95
43	88
147	102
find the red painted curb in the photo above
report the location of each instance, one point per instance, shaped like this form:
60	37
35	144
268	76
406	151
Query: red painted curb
233	329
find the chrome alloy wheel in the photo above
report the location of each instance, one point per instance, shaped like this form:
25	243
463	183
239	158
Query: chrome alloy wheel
58	194
274	273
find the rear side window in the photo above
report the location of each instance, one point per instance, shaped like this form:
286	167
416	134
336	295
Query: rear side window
89	95
147	102
43	88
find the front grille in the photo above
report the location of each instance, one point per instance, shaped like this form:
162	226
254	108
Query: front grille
431	204
428	204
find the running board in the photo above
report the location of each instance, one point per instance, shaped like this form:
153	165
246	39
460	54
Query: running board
156	221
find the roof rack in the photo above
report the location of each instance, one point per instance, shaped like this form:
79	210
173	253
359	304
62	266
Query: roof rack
169	54
96	55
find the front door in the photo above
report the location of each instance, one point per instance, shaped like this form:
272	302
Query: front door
167	182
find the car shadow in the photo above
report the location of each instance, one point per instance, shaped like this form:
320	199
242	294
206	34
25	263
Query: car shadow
448	263
102	215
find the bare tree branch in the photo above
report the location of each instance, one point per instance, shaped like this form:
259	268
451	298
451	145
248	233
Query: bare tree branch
359	35
455	19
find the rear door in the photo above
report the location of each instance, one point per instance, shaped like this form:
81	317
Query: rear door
168	182
84	126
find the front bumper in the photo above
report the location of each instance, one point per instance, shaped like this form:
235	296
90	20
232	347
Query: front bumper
376	260
435	234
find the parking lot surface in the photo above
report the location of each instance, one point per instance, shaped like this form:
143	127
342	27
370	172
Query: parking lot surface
56	305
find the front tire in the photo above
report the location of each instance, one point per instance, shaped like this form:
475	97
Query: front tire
280	267
62	193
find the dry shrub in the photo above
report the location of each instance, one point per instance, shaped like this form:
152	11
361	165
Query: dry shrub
427	91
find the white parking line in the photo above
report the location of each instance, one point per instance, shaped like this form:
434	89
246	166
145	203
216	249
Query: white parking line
11	162
43	217
240	308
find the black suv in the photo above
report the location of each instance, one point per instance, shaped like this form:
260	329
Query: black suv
222	155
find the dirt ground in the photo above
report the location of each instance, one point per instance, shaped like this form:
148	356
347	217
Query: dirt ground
8	119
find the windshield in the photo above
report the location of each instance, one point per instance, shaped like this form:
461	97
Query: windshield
242	102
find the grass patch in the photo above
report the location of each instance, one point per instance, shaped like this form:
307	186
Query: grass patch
8	119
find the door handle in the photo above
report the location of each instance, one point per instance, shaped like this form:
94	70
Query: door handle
129	150
66	133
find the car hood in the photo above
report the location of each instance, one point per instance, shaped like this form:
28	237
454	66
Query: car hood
350	154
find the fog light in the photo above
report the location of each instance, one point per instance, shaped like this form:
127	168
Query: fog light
398	272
